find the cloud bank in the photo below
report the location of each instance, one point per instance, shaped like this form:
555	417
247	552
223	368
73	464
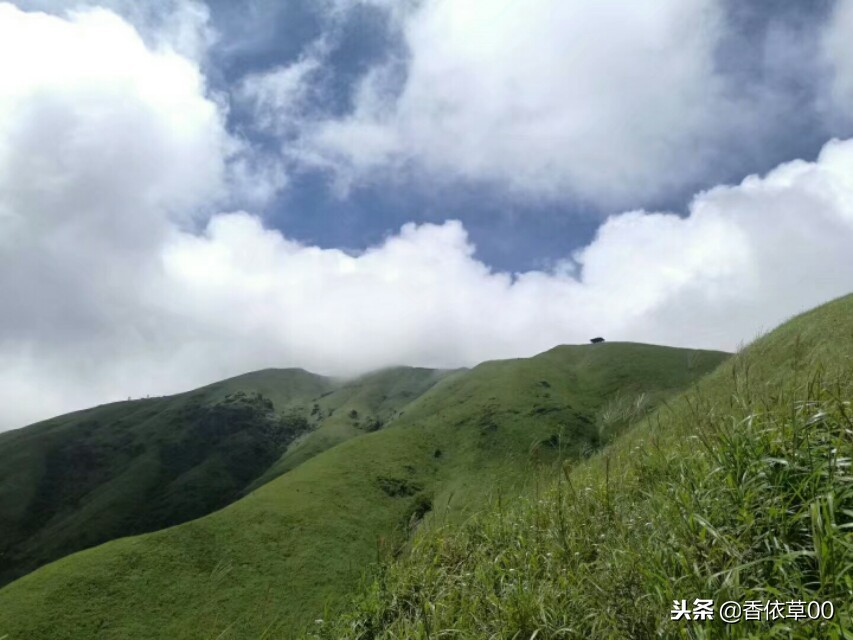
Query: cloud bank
116	281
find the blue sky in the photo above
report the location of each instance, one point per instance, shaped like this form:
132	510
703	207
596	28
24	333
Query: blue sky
191	190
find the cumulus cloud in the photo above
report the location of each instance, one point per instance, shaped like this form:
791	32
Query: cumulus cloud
606	101
105	144
240	296
746	257
116	282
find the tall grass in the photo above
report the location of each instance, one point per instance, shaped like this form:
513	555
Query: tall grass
746	496
620	412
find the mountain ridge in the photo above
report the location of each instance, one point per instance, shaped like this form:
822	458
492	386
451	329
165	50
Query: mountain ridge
135	465
305	537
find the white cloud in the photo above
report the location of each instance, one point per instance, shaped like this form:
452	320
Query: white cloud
108	290
240	296
609	101
83	100
746	257
104	145
278	97
180	25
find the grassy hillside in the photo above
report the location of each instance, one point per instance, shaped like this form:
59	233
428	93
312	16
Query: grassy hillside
739	490
488	426
269	563
353	408
129	467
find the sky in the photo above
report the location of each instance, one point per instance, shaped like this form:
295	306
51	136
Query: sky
191	190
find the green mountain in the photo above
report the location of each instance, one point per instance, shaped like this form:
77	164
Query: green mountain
131	467
396	453
739	490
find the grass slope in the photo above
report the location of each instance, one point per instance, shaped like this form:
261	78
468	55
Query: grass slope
353	408
130	467
267	564
738	490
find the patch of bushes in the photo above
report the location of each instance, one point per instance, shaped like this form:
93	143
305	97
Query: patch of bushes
421	505
371	424
397	487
